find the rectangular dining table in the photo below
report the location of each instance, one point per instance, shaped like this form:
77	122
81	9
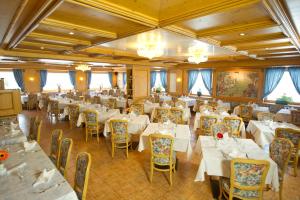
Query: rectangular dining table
11	134
103	115
216	157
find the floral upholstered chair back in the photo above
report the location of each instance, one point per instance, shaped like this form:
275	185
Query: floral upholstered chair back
235	124
118	92
182	104
105	92
247	178
263	116
83	164
73	113
111	92
219	128
199	102
294	136
161	114
156	98
87	98
91	117
246	112
176	115
280	152
296	117
32	100
35	133
96	100
221	109
111	103
161	149
204	108
119	131
54	106
137	108
64	155
205	124
55	142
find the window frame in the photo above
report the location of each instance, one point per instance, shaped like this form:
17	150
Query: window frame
10	70
94	89
203	95
58	71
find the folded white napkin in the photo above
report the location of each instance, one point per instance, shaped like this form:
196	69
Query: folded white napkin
29	146
236	154
15	132
45	177
16	168
3	170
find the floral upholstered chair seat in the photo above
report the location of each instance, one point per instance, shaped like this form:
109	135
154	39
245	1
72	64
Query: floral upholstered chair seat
161	149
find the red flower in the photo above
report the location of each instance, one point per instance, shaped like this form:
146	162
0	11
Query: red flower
219	135
3	155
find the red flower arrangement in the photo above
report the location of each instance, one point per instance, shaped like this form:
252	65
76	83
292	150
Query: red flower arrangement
3	155
220	136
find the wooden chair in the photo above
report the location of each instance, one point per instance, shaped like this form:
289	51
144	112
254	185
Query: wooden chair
119	135
205	107
161	114
83	165
262	116
91	124
104	92
295	117
54	109
235	124
221	109
111	92
206	122
111	103
280	152
294	136
213	104
65	148
87	98
176	115
73	114
32	102
247	179
219	128
55	143
151	99
170	103
246	112
199	102
35	131
182	104
96	100
137	108
163	158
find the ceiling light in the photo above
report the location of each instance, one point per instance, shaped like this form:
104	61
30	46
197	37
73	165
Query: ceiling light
71	33
242	34
52	61
42	48
83	67
198	54
267	48
150	45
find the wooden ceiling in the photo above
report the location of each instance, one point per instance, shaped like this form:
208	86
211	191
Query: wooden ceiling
77	29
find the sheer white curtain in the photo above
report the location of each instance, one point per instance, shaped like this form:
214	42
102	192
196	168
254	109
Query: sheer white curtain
55	79
9	80
100	80
199	86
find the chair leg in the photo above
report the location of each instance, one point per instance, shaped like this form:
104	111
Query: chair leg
280	190
295	164
126	150
221	190
170	173
112	150
151	172
86	135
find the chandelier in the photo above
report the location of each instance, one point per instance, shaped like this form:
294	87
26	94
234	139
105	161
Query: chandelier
150	45
198	54
83	67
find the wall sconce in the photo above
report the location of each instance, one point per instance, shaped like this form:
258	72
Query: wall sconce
31	78
178	80
81	78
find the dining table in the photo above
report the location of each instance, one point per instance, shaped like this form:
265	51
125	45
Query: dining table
256	109
149	106
217	156
190	102
284	115
11	134
181	134
186	113
120	101
136	123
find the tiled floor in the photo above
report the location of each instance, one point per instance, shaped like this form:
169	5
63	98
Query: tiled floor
122	178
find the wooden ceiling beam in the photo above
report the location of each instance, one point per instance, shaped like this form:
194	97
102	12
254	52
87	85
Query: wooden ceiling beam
253	39
55	38
76	27
118	11
237	28
265	46
271	50
282	56
278	54
45	45
205	9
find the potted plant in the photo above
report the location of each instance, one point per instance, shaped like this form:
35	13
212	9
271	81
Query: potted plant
284	100
158	90
199	93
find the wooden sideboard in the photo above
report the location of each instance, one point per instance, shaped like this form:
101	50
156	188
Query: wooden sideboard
10	102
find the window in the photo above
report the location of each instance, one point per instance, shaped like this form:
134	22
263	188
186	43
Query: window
120	80
55	79
100	80
9	80
158	82
285	87
199	86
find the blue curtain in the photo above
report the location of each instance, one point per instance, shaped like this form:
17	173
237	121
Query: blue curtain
207	78
124	78
72	75
152	79
18	74
88	78
193	74
272	78
163	78
295	75
43	78
110	74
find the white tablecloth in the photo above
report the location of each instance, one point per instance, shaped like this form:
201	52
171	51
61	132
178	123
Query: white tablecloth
63	102
102	115
283	115
256	109
264	133
165	98
182	138
136	124
186	114
189	101
15	188
121	102
214	162
8	136
149	106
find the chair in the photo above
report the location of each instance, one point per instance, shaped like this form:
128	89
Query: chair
119	135
213	104
205	107
247	179
35	131
73	114
170	103
137	108
161	114
219	128
32	102
64	155
117	93
206	122
221	109
280	152
87	98
111	103
91	124
54	109
182	104
104	92
294	136
163	158
263	116
96	100
151	99
295	117
83	165
156	98
235	124
176	115
199	102
55	143
246	112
